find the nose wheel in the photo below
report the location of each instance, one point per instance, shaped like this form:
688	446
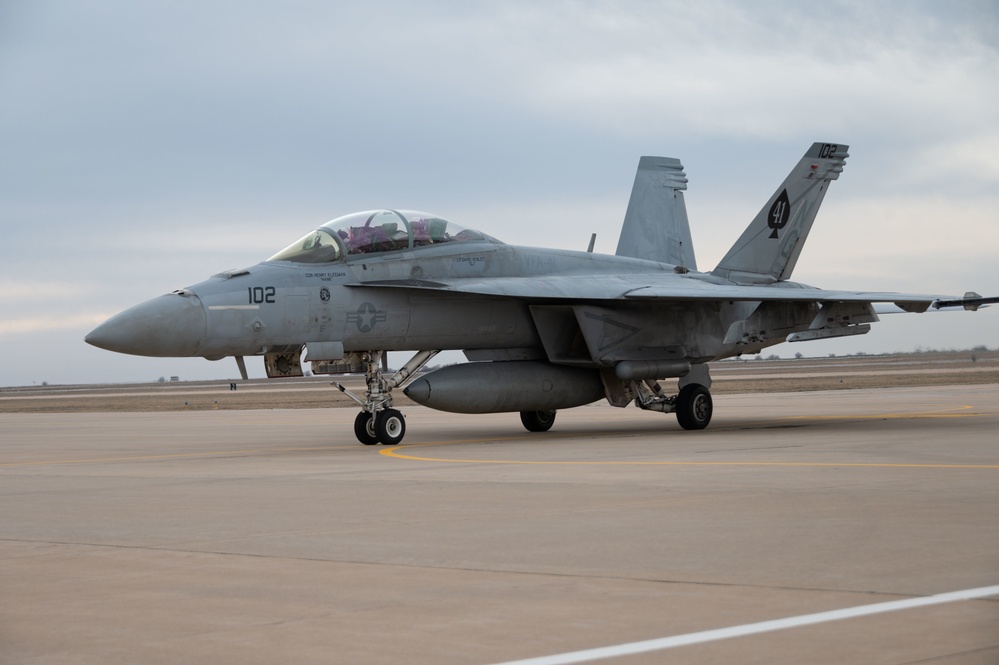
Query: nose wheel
387	427
390	427
364	429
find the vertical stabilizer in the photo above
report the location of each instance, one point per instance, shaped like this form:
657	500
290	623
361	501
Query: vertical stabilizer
768	249
655	226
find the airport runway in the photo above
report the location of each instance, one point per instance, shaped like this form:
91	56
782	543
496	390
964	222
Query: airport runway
272	536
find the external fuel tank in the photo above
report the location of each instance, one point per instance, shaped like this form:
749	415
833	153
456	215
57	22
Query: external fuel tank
502	386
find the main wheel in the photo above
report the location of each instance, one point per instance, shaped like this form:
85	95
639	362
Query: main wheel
693	406
537	421
390	427
364	429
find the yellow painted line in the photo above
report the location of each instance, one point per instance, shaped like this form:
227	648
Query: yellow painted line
886	416
947	412
397	452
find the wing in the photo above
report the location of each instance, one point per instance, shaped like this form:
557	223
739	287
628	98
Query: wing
595	288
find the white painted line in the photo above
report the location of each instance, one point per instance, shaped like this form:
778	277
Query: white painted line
754	628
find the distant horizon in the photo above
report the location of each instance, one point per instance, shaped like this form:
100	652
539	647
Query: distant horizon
748	358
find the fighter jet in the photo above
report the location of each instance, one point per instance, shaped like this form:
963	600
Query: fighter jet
542	329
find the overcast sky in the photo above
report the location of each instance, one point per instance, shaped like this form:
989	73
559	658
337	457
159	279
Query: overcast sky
147	145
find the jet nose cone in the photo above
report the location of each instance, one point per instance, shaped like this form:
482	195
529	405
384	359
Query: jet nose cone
168	327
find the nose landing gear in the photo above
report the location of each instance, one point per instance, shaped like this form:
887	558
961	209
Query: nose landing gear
378	422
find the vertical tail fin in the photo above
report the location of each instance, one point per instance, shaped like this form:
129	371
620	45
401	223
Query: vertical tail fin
768	249
655	226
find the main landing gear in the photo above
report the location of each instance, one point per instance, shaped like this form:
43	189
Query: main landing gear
537	421
692	405
378	422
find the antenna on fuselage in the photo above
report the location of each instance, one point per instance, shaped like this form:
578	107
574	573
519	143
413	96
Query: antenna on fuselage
593	241
242	368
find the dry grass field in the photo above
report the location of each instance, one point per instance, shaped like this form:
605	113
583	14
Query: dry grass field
731	376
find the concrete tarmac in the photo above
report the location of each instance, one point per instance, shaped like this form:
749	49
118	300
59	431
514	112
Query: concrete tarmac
273	536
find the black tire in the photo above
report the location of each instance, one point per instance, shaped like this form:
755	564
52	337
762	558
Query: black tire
390	427
537	421
693	406
364	429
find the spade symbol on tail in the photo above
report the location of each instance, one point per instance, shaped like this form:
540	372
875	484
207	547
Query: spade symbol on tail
779	213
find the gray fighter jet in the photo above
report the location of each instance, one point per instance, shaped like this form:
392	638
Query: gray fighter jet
543	329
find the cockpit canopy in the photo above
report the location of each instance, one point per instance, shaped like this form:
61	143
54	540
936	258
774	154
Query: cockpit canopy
375	231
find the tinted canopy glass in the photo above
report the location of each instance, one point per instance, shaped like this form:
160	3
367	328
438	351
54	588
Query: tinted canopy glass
376	231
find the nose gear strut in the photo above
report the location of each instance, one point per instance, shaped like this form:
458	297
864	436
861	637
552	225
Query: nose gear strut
378	422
